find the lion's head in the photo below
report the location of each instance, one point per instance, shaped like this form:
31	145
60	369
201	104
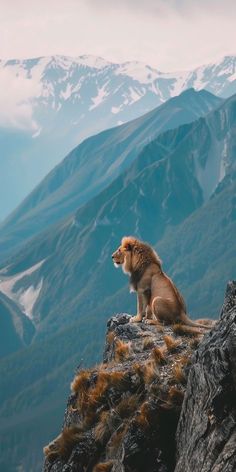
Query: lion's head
123	255
133	255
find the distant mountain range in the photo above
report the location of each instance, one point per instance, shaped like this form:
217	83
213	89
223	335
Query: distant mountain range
55	102
175	190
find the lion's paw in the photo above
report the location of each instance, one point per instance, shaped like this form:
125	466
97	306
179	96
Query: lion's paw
135	319
148	321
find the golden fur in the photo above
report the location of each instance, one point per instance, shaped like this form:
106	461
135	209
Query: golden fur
158	299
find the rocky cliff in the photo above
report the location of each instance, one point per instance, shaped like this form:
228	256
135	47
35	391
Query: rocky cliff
161	401
206	433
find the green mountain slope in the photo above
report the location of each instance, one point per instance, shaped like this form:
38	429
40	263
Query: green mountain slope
28	396
34	385
179	194
94	164
17	330
171	178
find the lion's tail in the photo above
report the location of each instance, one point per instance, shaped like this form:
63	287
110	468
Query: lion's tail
186	320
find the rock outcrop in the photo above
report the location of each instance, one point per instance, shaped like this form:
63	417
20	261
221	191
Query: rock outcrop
159	402
206	433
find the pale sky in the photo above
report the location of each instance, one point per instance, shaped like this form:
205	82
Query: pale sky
166	34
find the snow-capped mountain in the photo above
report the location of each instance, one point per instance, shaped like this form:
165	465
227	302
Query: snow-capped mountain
50	104
62	84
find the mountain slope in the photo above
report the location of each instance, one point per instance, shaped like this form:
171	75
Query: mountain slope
17	330
162	198
211	239
55	102
34	385
171	178
94	164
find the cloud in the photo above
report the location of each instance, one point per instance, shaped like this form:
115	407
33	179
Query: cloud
168	34
15	94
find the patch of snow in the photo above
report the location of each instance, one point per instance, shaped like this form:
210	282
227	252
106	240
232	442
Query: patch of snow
199	82
28	298
24	298
138	71
135	96
116	109
47	90
99	97
92	61
232	77
180	83
67	92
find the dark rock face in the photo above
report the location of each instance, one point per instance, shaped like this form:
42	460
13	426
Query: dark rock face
206	434
153	405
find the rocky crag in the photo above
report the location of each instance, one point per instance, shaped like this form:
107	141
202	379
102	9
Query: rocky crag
161	401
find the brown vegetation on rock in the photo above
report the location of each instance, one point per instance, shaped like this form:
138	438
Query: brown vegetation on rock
171	343
122	350
111	405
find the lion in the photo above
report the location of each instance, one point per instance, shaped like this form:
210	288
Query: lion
158	299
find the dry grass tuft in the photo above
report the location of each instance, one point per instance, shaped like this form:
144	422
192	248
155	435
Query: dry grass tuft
178	374
127	406
81	382
122	351
89	400
185	359
116	379
138	369
103	428
171	343
115	440
64	443
158	355
150	372
103	467
95	394
148	343
110	337
143	417
176	396
194	343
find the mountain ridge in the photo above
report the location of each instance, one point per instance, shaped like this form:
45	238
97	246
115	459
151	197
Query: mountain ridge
61	103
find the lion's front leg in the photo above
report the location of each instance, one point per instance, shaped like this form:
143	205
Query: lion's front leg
148	314
141	307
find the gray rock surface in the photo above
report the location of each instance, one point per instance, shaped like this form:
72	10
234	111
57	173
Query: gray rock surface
141	410
206	434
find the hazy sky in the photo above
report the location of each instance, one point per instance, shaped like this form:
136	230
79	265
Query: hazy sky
168	34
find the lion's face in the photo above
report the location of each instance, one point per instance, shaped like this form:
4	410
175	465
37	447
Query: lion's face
123	256
118	256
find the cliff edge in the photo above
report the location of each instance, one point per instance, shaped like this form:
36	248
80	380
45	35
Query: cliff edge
161	401
206	433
